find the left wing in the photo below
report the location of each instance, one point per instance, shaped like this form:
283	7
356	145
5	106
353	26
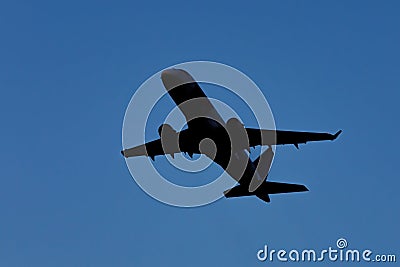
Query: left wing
151	149
157	147
259	137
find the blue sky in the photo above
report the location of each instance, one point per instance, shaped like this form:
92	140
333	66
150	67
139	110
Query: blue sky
68	70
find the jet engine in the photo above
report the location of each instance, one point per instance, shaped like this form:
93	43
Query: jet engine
237	134
169	139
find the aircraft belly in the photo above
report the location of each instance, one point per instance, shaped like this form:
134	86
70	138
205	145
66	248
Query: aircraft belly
262	168
238	165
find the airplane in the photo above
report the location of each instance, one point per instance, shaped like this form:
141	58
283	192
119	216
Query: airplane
226	143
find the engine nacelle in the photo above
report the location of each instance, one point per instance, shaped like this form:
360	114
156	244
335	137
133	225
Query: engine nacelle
237	134
169	139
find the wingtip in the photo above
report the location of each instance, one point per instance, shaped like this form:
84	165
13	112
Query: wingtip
337	134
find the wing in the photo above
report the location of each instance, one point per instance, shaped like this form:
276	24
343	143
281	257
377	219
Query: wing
189	97
151	149
270	137
166	147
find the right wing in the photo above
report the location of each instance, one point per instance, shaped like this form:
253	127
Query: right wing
259	137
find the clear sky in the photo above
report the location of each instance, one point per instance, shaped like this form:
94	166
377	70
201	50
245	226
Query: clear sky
68	70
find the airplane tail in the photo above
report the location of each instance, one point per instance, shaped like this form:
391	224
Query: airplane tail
265	190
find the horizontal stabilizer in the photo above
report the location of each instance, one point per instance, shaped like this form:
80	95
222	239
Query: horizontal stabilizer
238	191
241	191
278	188
263	191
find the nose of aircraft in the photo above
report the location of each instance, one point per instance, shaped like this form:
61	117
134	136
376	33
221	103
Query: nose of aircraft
165	74
172	78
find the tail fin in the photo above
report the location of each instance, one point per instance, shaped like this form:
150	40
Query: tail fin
264	197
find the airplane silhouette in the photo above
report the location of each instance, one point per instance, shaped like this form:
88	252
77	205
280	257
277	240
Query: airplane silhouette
226	143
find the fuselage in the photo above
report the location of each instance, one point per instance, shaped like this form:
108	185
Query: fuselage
223	142
235	161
